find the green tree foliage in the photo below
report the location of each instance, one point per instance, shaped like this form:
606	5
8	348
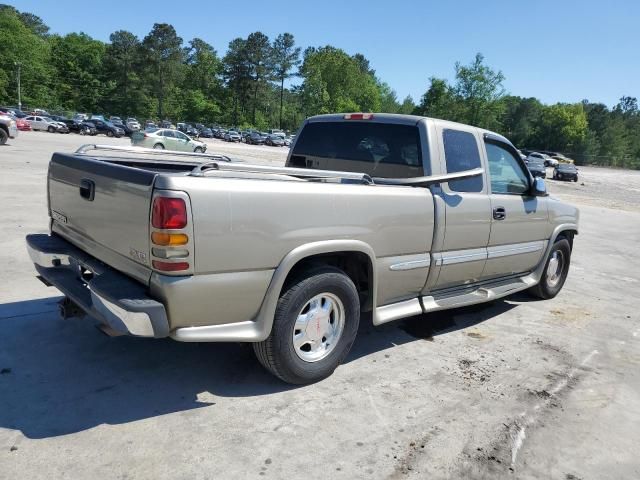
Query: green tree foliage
286	56
163	58
19	44
333	81
77	62
439	101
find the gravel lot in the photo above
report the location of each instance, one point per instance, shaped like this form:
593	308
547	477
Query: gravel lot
512	389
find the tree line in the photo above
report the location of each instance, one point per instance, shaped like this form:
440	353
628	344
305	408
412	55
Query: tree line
162	76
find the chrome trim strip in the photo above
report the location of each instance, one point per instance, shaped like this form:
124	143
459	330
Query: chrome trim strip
515	249
462	256
411	265
388	313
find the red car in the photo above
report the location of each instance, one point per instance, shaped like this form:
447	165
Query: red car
23	125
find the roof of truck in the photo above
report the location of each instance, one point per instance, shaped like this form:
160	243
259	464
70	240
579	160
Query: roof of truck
397	119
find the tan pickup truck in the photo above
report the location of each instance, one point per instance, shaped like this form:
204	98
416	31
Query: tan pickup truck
390	214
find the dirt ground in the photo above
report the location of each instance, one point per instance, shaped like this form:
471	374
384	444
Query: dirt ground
516	388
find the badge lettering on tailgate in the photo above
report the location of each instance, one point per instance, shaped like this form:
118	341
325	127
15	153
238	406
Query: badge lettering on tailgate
137	255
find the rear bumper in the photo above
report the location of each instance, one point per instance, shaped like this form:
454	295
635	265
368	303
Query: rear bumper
103	293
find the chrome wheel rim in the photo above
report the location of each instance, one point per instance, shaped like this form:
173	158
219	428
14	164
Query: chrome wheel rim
555	268
318	327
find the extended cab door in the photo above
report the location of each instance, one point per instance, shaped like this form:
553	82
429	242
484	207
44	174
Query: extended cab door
462	253
519	220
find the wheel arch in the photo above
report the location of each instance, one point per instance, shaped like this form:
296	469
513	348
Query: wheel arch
566	230
353	256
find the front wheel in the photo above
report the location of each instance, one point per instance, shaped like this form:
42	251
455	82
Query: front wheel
51	129
109	133
198	150
315	324
555	271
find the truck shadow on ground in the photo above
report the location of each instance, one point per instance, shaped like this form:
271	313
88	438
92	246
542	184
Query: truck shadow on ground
63	376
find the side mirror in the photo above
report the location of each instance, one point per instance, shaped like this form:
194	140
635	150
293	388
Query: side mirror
539	188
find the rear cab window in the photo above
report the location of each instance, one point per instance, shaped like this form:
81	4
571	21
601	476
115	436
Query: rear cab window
461	153
378	149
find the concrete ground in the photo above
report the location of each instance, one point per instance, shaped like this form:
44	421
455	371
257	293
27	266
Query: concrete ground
516	388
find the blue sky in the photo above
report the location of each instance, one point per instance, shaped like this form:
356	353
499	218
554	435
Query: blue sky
563	50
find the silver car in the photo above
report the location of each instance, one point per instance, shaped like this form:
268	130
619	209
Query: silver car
167	139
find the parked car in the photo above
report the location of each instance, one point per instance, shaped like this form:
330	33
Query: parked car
277	131
537	168
124	127
255	138
561	158
565	171
232	136
220	133
167	139
274	140
546	159
206	133
115	120
80	117
107	128
133	124
15	111
97	117
8	128
87	128
38	122
363	231
23	125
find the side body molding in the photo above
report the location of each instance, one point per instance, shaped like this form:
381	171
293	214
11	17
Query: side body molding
259	329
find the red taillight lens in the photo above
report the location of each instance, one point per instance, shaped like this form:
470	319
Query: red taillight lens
358	116
169	213
169	266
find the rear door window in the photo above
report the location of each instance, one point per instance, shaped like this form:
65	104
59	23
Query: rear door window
461	153
377	149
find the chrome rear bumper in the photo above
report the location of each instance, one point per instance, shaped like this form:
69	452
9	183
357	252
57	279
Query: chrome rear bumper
102	292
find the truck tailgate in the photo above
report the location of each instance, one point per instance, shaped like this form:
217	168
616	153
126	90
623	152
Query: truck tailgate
103	208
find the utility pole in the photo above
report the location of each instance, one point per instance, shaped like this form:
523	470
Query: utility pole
18	64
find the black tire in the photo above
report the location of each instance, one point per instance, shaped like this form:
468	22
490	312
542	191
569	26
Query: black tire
278	354
109	133
158	146
198	150
550	286
4	136
51	130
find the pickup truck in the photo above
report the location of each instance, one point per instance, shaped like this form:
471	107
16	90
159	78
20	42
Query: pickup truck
395	215
8	128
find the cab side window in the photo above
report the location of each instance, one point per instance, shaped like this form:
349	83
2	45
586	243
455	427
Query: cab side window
461	154
506	173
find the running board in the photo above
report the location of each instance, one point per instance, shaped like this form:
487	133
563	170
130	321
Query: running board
482	294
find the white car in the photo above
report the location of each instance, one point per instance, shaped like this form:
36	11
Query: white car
133	124
166	139
43	123
548	161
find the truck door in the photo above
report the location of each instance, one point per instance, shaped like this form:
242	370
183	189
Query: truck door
463	252
519	220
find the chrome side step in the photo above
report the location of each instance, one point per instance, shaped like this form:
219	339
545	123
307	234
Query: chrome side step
485	293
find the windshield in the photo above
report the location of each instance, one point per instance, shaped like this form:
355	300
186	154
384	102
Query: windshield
570	168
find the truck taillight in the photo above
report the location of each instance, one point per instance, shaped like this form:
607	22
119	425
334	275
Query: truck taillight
358	116
170	266
169	213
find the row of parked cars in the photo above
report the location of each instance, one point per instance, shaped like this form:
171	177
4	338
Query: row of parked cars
563	167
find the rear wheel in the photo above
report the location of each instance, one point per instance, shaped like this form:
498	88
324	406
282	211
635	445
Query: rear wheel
158	146
4	136
315	324
555	271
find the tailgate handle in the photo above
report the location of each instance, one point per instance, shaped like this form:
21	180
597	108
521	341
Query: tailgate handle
87	189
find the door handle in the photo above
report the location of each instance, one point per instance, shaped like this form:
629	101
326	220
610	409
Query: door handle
87	189
499	213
